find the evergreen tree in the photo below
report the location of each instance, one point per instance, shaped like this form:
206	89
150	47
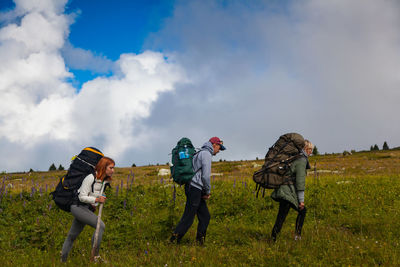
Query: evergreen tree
30	170
315	151
376	147
60	168
372	148
52	167
133	165
385	146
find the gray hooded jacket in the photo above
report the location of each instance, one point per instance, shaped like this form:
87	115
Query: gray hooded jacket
202	167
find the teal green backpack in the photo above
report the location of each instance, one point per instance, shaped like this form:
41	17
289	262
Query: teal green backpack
182	161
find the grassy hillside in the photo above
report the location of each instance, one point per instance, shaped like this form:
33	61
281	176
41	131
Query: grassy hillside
352	219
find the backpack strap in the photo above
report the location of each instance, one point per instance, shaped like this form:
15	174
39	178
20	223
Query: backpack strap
195	155
91	165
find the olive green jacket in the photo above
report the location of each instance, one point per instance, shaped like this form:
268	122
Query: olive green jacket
289	192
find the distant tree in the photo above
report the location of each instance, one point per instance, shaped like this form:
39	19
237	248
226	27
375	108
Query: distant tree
52	167
30	170
220	160
371	148
61	168
315	151
352	151
385	146
256	158
376	147
133	165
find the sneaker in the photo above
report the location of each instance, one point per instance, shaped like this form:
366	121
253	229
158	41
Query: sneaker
99	259
297	237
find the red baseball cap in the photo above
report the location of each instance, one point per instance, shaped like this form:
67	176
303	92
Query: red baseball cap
216	140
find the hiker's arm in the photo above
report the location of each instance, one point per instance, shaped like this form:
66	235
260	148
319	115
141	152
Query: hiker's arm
85	189
301	173
206	172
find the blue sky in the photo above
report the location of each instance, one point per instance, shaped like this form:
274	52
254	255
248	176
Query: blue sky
132	77
112	28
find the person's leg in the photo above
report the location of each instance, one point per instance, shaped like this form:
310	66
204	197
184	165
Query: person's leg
193	197
300	221
204	219
284	207
74	231
84	215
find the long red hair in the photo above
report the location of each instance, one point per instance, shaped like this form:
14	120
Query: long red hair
101	167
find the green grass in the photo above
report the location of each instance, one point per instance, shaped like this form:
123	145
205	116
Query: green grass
352	219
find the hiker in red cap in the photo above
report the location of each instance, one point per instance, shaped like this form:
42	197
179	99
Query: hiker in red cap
197	191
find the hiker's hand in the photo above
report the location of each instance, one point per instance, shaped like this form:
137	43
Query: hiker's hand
301	206
206	196
101	199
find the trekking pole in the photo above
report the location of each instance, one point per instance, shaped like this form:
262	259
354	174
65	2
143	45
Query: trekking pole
96	235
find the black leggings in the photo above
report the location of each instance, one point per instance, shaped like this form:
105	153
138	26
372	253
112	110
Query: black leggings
195	205
284	207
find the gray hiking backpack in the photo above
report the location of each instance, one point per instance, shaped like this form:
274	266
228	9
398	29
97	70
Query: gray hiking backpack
275	171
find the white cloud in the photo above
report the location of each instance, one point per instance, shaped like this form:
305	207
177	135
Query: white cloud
78	58
38	106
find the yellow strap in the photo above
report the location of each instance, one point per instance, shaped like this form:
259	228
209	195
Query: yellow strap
62	182
94	151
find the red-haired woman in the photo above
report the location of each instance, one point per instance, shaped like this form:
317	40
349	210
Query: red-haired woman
89	196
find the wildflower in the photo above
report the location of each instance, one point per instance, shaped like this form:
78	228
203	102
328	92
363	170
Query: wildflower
133	178
124	203
116	191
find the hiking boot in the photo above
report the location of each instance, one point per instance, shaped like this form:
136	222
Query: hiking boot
273	238
200	240
175	238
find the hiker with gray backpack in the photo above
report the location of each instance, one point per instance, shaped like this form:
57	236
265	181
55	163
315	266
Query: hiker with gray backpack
193	169
285	171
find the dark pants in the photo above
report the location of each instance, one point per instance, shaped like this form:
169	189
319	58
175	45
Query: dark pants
195	205
284	207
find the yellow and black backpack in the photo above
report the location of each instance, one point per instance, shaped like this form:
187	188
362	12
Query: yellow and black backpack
66	192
